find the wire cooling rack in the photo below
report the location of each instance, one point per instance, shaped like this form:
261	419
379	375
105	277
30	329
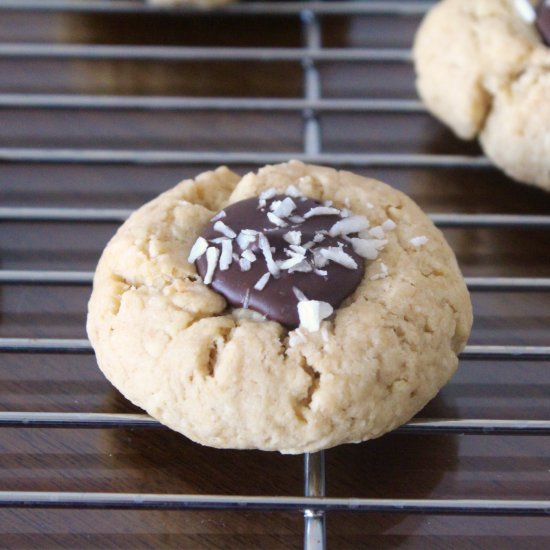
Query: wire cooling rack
313	504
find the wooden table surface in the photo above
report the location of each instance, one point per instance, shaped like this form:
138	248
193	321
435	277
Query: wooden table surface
158	461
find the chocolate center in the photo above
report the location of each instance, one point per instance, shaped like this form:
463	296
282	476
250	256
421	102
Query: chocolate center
297	243
543	21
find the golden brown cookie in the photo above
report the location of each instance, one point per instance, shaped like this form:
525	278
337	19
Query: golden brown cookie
229	377
483	69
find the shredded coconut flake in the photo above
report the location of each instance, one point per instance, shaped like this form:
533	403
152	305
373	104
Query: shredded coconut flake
319	237
318	259
353	224
344	213
212	255
321	272
244	264
302	267
249	255
268	193
246	300
221	214
321	211
284	208
226	257
366	248
262	281
274	205
293	191
298	249
337	255
265	196
324	334
389	225
419	241
312	312
245	238
268	256
377	232
300	296
292	262
198	249
275	220
296	219
295	338
220	227
293	237
383	272
526	11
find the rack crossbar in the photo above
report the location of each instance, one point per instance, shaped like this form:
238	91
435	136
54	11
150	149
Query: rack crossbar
110	156
416	426
485	284
388	7
117	215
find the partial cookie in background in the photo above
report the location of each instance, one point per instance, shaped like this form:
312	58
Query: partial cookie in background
230	378
483	69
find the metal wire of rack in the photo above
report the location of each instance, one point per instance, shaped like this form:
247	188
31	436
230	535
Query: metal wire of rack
314	505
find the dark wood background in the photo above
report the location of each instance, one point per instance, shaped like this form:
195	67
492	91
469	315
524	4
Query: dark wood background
158	461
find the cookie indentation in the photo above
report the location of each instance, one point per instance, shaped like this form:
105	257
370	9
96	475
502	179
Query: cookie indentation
272	252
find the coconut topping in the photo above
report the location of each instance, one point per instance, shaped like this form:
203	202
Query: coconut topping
246	237
273	246
212	255
337	254
283	208
525	10
368	248
293	237
265	196
377	232
249	255
268	255
198	249
268	193
226	257
321	211
419	241
389	225
353	224
312	312
245	264
260	285
293	191
220	227
275	220
382	274
221	214
300	296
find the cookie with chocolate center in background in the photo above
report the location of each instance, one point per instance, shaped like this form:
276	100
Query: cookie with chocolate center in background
292	309
483	68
